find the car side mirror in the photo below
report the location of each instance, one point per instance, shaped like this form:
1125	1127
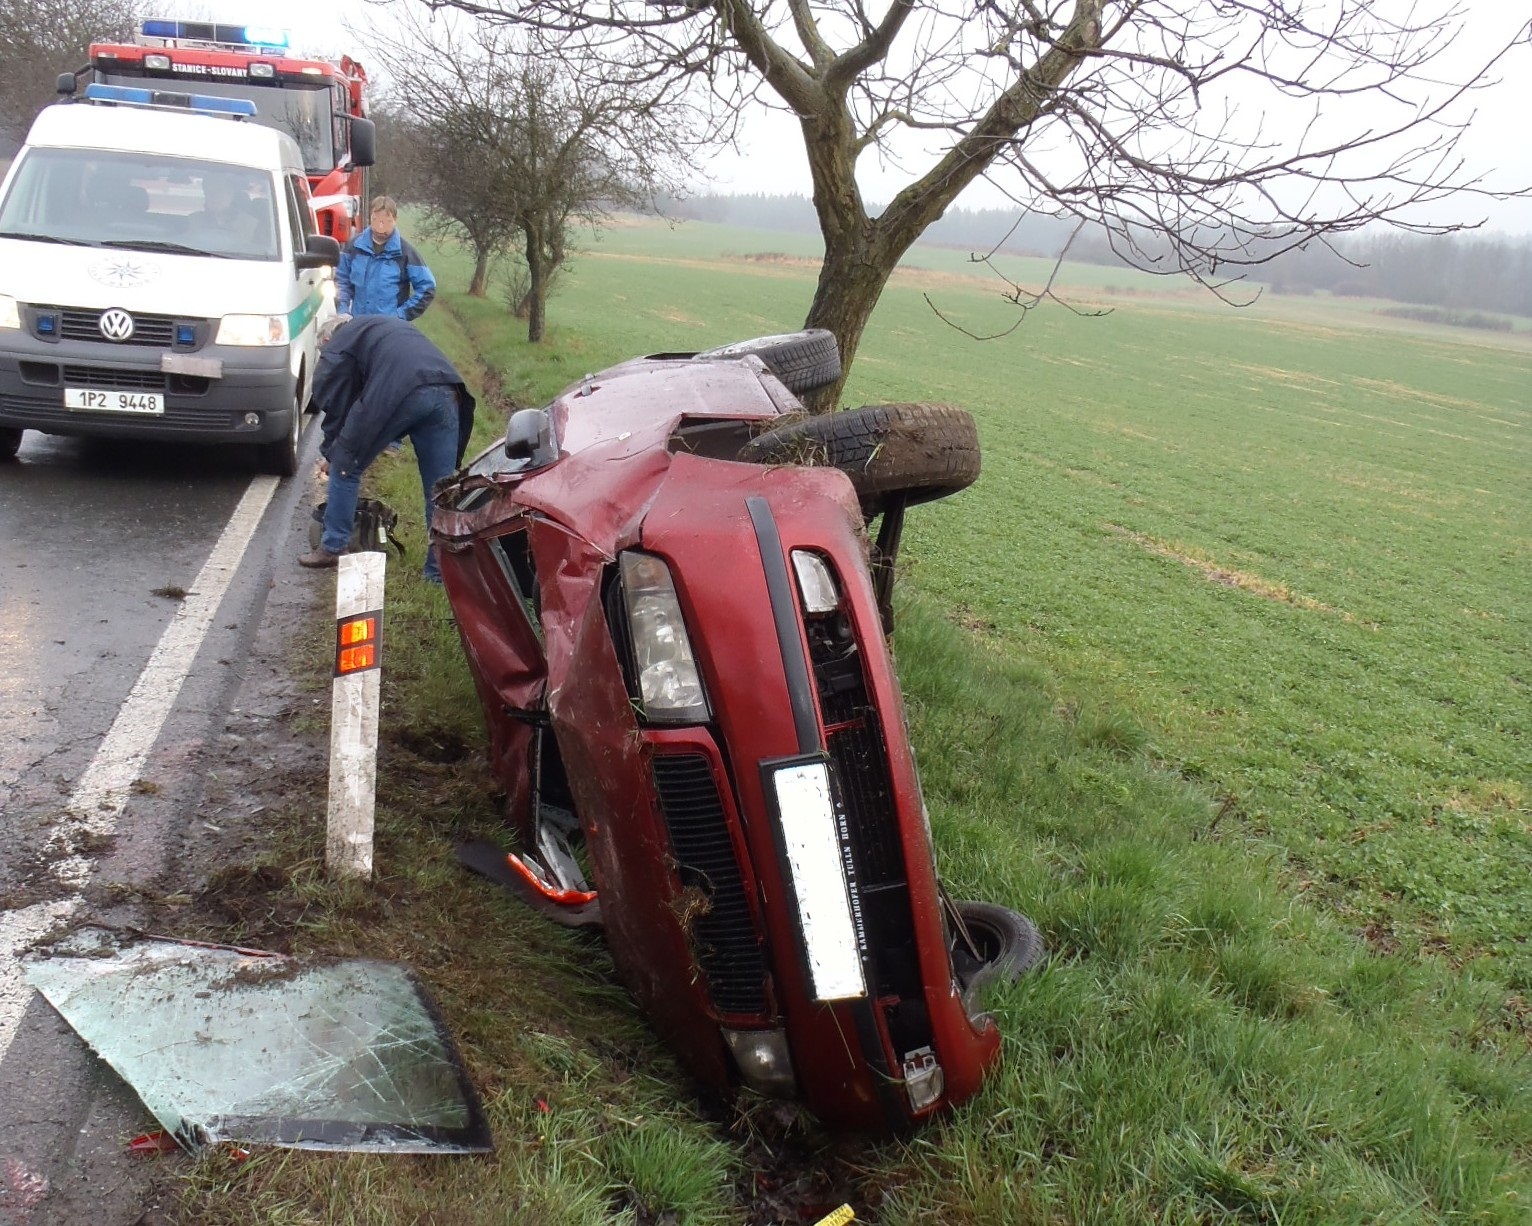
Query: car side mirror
320	251
529	438
364	142
66	83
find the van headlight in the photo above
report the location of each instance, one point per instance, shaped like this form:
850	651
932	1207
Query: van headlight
10	312
248	330
669	684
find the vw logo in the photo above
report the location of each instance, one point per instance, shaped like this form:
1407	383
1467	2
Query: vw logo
116	324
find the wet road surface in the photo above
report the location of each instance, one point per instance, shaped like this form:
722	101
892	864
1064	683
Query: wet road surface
132	579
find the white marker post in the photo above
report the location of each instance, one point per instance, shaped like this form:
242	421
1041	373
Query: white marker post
354	713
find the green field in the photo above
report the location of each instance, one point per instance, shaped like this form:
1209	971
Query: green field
1219	672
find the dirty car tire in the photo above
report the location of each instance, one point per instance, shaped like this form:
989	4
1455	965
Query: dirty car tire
803	361
914	452
1008	941
10	442
280	457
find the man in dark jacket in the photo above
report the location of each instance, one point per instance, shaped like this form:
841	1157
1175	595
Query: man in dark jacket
380	273
380	379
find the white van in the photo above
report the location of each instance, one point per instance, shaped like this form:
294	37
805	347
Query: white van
160	276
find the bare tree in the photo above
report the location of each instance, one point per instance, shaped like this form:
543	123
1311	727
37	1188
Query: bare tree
39	39
1201	134
510	142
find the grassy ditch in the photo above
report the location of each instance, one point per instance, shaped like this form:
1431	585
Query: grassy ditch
1220	1034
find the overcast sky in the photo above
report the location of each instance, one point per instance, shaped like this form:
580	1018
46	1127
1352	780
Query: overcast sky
1498	143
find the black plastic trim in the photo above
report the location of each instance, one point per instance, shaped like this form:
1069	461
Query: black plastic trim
784	613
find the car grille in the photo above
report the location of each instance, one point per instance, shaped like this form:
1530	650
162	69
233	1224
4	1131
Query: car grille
114	380
147	329
859	756
728	950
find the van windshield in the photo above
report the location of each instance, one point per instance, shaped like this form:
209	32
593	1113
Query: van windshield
142	201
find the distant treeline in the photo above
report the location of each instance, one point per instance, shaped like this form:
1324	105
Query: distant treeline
976	230
1457	274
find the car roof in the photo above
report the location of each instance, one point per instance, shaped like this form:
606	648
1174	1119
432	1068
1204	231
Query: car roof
165	133
645	399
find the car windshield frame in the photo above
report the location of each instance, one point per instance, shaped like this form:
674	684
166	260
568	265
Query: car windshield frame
143	201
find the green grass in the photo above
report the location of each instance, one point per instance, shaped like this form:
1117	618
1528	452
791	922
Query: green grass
1218	673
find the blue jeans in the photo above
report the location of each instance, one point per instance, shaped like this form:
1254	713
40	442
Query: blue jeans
428	417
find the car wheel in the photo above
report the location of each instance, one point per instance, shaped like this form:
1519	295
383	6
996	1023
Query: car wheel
280	458
913	452
10	442
803	361
1006	945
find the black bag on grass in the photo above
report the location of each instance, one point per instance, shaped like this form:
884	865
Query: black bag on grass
371	531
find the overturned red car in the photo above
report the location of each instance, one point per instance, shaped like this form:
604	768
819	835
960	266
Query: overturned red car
677	623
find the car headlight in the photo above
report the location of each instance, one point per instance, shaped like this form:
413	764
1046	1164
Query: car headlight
816	585
670	687
253	330
10	312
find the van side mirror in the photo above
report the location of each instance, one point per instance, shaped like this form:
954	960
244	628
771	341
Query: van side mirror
364	142
529	438
66	83
321	251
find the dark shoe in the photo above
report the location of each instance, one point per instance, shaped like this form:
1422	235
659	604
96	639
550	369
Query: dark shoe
321	558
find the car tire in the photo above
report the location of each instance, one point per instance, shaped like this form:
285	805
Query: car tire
10	442
802	361
1008	942
280	458
912	452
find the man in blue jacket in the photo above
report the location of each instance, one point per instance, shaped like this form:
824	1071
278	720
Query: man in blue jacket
380	273
380	379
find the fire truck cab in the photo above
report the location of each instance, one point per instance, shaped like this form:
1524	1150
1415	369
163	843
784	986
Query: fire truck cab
321	105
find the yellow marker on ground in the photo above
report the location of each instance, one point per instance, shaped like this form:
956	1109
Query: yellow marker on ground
837	1217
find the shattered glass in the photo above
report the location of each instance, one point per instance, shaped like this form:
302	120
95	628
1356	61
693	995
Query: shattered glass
226	1044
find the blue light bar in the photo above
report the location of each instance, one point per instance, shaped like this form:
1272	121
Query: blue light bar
264	36
163	97
208	32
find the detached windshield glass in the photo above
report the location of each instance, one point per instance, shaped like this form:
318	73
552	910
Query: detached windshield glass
136	200
303	112
226	1044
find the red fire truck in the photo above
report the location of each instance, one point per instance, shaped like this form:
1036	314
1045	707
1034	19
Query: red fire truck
321	105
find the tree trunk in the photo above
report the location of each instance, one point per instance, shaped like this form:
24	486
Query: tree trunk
860	252
480	280
850	283
537	276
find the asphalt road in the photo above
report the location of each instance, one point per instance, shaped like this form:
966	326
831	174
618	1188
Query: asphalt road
132	582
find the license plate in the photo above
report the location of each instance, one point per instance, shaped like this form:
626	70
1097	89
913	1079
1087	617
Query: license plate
817	862
92	401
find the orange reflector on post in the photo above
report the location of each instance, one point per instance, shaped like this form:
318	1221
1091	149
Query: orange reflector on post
358	643
355	659
358	630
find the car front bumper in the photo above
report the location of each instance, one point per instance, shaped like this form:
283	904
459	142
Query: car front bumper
255	381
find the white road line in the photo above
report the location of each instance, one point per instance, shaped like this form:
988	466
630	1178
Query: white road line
102	791
18	929
98	798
